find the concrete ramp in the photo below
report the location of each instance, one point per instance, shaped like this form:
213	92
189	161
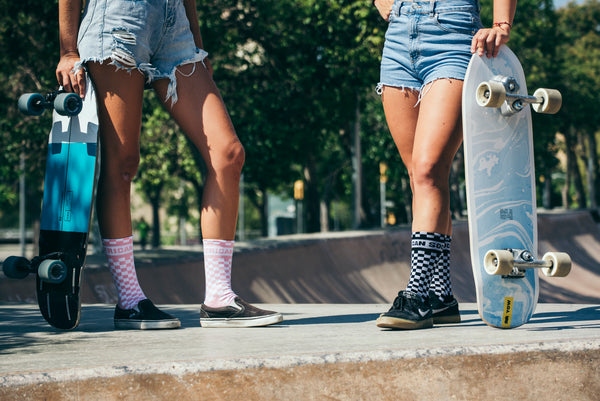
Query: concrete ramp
348	267
578	235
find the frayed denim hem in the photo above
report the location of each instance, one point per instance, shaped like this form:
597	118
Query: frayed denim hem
422	91
172	89
151	73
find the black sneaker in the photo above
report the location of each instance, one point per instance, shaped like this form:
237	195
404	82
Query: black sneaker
144	316
238	314
444	311
408	312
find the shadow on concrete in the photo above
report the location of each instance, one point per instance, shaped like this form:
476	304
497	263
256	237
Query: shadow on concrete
565	320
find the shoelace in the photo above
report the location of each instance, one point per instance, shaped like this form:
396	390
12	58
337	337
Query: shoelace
399	301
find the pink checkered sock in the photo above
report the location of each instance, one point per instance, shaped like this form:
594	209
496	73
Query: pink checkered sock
217	269
119	253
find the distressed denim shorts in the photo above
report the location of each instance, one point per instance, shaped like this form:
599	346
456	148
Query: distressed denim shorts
426	41
152	36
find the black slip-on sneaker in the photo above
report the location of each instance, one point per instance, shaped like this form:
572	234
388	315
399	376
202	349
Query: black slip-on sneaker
238	314
144	316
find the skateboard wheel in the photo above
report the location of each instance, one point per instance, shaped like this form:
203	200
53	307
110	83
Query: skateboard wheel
551	101
490	94
52	271
16	267
498	262
68	104
31	104
561	264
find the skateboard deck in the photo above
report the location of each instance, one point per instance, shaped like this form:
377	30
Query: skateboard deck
500	182
69	189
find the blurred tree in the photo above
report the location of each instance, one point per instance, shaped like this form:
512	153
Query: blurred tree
28	57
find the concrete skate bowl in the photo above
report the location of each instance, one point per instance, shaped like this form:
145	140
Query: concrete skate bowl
354	267
371	268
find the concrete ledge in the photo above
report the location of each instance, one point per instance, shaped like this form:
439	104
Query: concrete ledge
319	351
523	376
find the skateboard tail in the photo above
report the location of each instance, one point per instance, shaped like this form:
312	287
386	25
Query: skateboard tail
60	303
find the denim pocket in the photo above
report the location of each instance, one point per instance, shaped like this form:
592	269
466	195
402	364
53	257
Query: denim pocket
88	16
458	21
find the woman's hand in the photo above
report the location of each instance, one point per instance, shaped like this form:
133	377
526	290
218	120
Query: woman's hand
384	7
489	40
70	81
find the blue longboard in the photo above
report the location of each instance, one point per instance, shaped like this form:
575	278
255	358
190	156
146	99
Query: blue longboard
69	189
500	181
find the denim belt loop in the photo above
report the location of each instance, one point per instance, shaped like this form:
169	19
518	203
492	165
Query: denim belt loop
432	8
398	6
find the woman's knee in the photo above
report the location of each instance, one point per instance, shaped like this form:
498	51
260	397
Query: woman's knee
230	159
121	167
429	174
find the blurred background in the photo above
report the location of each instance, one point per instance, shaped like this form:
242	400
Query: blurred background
298	78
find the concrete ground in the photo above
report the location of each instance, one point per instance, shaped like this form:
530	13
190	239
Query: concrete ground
320	351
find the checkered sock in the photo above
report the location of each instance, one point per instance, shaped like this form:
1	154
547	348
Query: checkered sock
119	253
426	249
440	282
218	255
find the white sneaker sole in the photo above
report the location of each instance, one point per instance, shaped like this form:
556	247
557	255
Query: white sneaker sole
258	321
125	324
388	322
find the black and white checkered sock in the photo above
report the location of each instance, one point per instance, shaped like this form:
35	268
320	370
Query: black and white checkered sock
440	282
426	249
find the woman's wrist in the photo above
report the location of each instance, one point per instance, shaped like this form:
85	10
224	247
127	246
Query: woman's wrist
503	25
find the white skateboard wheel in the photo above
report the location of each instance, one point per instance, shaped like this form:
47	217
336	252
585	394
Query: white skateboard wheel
52	271
551	101
490	94
561	264
498	262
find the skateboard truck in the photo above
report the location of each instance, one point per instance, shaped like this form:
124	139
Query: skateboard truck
65	104
512	263
502	92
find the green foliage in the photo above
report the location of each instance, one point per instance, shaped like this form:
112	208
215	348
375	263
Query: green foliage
28	57
295	76
292	85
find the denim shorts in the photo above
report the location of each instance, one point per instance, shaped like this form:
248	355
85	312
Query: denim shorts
152	36
426	41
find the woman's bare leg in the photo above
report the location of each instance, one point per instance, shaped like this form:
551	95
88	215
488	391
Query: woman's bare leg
437	139
202	115
427	137
119	95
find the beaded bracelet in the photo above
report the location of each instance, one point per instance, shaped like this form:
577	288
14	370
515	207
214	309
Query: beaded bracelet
499	24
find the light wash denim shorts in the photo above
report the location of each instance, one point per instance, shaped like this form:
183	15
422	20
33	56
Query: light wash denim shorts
152	36
426	41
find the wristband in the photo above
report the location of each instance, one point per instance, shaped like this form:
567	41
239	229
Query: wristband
499	24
